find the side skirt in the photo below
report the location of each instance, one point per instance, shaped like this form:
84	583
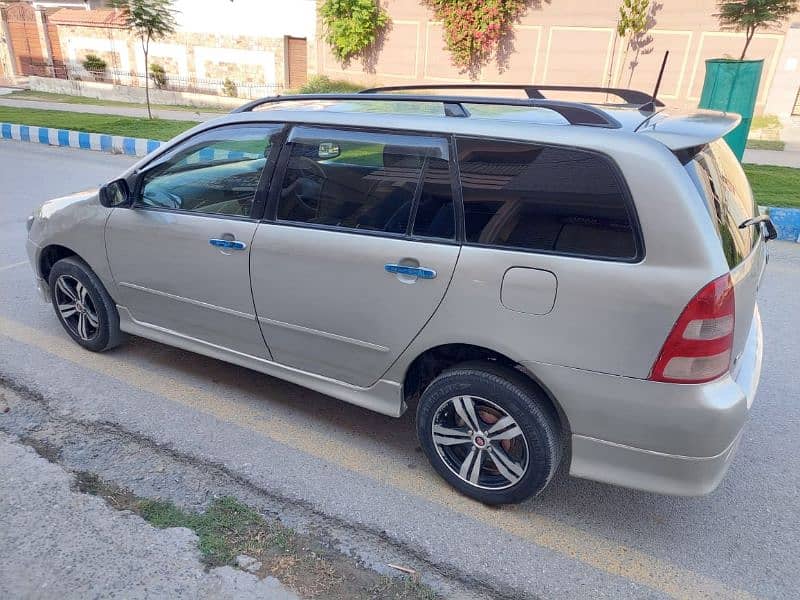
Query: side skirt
385	397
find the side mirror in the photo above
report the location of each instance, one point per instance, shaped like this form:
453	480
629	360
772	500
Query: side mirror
115	194
328	150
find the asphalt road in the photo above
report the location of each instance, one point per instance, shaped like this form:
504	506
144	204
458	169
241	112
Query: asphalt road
579	539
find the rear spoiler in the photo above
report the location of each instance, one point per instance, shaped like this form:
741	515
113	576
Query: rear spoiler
688	131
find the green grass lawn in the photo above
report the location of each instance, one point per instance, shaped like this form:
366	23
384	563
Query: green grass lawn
775	186
69	99
155	129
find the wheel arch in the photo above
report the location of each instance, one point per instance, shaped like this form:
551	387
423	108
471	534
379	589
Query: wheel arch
50	255
428	364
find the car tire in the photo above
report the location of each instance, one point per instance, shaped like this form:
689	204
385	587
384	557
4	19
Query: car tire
83	306
493	462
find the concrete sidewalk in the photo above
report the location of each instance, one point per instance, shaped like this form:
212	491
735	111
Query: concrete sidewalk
785	158
124	111
59	543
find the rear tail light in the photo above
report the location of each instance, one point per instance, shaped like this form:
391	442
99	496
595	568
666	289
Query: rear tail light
698	349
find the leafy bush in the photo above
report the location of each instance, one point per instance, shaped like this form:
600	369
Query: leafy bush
158	76
473	29
94	64
229	88
321	84
352	26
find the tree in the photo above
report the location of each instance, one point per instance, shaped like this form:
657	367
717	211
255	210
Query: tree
750	15
149	20
633	22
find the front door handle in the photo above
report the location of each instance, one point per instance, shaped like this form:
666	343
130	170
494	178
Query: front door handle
421	272
227	244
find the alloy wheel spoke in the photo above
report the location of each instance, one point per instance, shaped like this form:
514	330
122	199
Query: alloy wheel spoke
67	310
465	407
507	467
446	436
91	317
82	330
471	467
81	291
505	429
62	286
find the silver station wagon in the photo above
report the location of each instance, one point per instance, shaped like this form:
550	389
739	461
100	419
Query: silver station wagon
546	281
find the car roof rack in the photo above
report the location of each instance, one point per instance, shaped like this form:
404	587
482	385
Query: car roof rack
633	97
573	112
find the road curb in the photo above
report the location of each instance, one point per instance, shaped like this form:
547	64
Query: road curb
102	142
786	221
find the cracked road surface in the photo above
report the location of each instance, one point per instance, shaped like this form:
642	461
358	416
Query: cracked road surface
364	474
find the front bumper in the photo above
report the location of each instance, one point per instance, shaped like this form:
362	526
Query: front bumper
41	285
659	437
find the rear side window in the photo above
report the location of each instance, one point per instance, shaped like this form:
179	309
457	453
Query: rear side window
545	199
724	187
368	181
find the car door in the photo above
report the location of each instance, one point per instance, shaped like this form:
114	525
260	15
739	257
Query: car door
358	251
180	256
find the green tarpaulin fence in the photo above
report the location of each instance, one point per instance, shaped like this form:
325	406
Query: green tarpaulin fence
732	86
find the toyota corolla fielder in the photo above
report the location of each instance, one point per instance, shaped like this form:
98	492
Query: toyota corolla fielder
546	281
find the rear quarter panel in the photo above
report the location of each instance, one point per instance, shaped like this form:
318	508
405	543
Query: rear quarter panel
610	317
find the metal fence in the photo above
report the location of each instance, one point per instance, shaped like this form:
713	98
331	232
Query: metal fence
171	83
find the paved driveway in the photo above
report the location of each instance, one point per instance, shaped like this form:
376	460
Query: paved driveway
366	473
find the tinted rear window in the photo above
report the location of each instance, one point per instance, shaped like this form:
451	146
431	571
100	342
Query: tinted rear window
544	199
723	185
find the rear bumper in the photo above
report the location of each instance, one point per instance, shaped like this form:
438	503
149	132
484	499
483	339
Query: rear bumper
664	438
647	470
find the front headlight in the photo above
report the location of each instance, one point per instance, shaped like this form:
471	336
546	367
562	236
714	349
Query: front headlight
30	221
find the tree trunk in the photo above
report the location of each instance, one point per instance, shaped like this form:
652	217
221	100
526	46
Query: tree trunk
621	73
145	49
751	31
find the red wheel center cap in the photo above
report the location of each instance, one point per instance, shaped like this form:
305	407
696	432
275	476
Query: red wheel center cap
479	441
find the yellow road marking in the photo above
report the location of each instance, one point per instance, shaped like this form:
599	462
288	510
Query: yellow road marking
596	551
14	265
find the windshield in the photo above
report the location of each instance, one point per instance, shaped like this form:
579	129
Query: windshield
723	185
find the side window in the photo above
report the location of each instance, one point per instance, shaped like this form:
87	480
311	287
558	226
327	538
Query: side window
215	172
368	181
543	198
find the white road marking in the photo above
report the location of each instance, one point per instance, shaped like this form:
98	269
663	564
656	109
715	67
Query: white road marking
13	266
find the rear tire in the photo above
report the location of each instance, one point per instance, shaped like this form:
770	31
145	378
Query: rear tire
490	432
83	306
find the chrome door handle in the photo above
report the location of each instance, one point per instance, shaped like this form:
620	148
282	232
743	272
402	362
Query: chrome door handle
227	244
421	272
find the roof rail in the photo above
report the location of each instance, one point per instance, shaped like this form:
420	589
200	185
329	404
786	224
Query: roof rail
634	97
574	113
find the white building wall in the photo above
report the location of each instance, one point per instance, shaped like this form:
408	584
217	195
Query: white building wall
258	18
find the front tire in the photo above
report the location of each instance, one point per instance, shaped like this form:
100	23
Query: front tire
490	432
83	306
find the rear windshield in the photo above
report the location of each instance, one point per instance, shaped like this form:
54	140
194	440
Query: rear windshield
726	191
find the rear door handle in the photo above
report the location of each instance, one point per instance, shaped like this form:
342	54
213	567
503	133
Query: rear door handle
421	272
227	244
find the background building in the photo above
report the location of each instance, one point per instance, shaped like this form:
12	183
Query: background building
261	46
266	46
575	42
